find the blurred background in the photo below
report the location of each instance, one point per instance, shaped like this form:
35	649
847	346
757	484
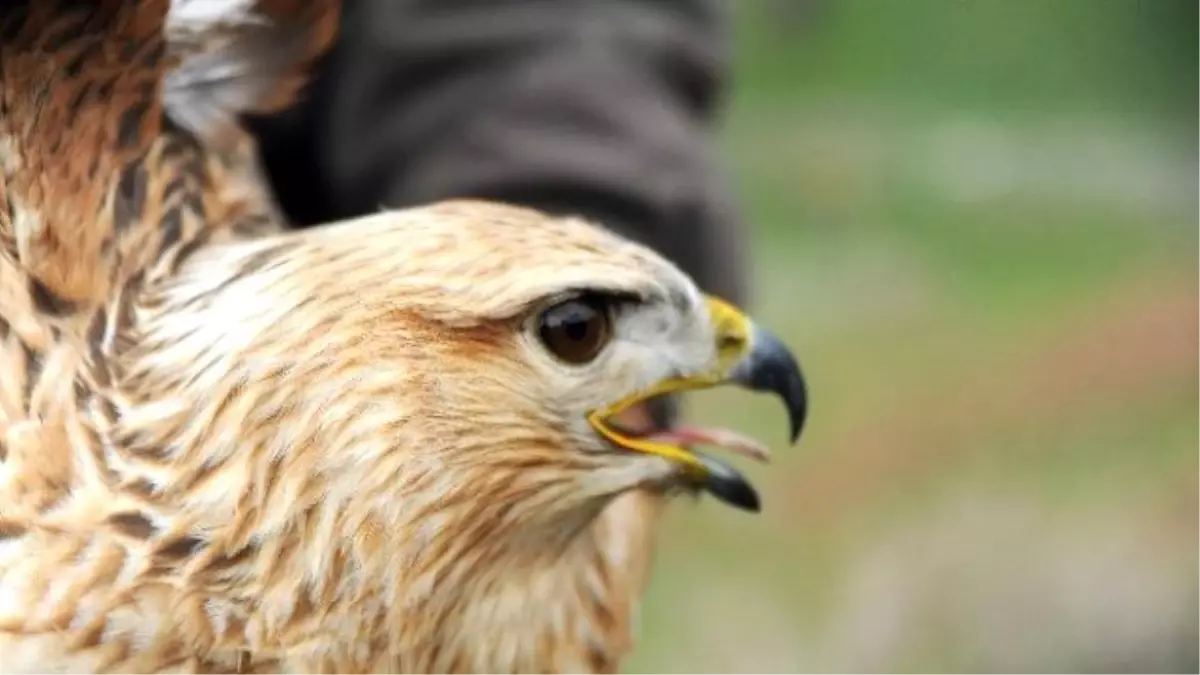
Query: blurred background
976	221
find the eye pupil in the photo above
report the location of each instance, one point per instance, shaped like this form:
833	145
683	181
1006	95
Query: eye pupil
576	330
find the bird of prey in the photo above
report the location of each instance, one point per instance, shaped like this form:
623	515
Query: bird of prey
387	444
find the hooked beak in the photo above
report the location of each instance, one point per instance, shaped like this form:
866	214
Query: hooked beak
747	355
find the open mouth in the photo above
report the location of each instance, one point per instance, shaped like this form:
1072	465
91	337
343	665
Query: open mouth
748	356
731	486
685	436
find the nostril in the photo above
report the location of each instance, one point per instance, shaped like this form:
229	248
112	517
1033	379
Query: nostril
729	341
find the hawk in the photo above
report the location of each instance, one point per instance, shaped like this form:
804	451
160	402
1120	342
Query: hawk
385	444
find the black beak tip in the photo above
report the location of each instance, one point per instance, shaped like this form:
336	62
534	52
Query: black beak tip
725	483
772	368
797	403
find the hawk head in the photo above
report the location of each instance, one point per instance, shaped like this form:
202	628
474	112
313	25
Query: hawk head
466	345
411	415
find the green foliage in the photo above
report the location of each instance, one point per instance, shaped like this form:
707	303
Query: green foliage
998	56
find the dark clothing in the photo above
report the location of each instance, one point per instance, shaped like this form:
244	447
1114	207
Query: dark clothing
600	108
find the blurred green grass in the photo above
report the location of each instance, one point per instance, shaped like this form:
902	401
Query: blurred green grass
976	222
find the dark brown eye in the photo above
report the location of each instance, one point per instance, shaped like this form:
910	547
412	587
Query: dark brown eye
575	330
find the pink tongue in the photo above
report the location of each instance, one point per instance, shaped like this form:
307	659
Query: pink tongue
721	438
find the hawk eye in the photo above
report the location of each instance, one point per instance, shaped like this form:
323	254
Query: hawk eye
576	330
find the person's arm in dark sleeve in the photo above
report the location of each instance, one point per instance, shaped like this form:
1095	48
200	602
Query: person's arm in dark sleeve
601	109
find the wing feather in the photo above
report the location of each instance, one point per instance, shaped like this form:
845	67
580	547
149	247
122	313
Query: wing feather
241	56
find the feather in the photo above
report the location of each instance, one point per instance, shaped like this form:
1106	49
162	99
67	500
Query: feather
240	56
